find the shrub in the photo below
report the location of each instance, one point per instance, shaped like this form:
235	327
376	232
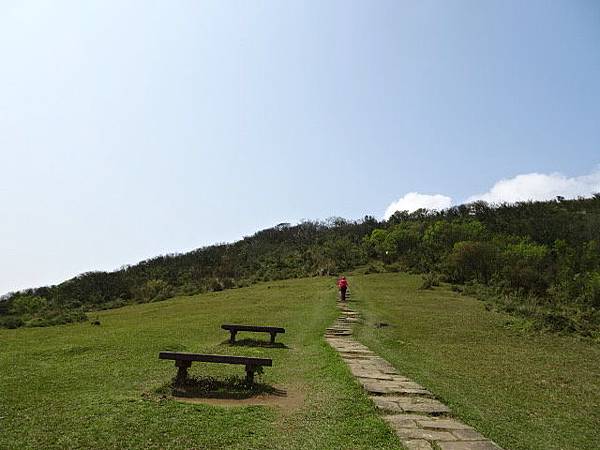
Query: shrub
154	290
216	285
27	304
11	322
442	235
372	268
591	293
471	260
525	267
395	267
430	280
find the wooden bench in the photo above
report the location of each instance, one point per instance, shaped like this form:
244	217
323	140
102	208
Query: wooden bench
233	329
184	360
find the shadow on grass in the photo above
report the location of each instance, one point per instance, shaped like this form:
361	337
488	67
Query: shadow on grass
254	343
226	388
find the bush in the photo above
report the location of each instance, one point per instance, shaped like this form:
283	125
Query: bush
471	260
442	235
216	285
591	293
11	322
64	317
395	267
525	267
154	290
372	268
430	280
27	304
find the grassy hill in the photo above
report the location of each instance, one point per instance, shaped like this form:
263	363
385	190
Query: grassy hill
84	386
535	260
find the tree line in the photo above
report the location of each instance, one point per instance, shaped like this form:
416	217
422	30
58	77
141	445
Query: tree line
538	260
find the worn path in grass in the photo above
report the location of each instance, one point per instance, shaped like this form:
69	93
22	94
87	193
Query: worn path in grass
84	386
524	390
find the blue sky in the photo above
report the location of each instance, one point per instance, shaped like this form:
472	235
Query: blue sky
130	129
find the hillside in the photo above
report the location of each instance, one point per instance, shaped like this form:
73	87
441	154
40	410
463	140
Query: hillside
538	260
84	386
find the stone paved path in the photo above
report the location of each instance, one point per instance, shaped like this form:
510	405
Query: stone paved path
420	421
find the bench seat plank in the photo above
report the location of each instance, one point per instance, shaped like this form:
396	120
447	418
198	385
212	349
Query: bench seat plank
226	359
253	328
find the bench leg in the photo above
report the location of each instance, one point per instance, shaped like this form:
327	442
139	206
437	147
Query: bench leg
249	374
232	338
182	371
273	337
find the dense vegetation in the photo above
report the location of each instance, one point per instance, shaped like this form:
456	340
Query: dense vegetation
539	260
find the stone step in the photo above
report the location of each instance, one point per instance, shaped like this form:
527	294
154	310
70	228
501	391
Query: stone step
399	404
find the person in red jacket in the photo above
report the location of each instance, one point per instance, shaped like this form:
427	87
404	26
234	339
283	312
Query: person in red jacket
343	285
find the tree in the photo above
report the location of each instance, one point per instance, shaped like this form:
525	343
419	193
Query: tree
472	260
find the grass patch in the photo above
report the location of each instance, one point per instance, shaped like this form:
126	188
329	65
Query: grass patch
83	386
524	389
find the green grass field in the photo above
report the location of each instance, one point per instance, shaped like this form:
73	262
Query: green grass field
523	390
84	386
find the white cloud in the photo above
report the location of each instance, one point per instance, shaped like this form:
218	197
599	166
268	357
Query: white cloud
413	201
540	186
530	186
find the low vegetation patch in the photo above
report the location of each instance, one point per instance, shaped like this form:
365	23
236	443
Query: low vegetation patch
430	280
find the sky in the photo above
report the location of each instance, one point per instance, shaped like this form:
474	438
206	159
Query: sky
131	129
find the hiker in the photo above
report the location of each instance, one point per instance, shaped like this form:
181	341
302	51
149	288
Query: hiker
343	285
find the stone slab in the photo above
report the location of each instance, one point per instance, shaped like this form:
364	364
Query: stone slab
472	445
405	423
374	388
415	404
391	418
404	391
417	444
426	408
386	405
373	375
443	424
419	433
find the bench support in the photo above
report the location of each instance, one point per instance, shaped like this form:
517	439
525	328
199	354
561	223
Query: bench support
182	370
232	338
250	374
273	334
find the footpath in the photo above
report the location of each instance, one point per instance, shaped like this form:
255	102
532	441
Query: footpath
420	421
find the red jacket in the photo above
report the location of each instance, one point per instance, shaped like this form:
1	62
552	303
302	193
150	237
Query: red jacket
342	283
